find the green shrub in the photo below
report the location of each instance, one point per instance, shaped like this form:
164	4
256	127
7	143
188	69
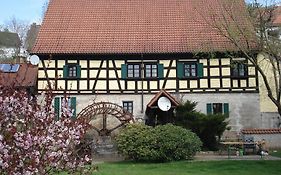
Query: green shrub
208	127
162	143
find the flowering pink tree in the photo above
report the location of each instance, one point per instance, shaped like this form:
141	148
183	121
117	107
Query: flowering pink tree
32	141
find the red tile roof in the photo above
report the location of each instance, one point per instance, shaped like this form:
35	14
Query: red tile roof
262	131
136	26
26	76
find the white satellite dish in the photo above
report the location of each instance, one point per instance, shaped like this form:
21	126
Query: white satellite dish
34	60
164	103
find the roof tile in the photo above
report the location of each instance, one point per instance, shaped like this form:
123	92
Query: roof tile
262	131
138	26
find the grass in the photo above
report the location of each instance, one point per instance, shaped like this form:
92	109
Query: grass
192	168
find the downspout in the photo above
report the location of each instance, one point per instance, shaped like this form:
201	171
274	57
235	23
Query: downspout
142	72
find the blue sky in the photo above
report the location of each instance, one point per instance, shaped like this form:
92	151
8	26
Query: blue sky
26	10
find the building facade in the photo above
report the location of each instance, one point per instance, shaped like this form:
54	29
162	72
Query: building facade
125	52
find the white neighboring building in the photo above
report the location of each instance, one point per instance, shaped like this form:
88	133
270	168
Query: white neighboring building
10	45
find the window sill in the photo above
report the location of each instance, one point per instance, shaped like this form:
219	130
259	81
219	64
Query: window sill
72	78
145	78
189	78
239	77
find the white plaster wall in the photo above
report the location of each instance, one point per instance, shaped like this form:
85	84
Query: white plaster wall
272	140
270	120
244	110
244	107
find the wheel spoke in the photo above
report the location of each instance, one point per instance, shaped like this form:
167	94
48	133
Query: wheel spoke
104	121
96	129
118	126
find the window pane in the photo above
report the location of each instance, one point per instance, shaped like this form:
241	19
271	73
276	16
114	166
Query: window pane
193	72
133	70
72	71
217	108
128	106
130	71
190	70
136	74
241	69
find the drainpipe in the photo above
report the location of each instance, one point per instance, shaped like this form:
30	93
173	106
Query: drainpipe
142	72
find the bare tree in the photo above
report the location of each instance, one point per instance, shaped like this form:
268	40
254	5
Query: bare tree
31	36
18	26
1	27
248	30
44	8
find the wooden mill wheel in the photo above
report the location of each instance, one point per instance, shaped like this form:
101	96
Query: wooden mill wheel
107	117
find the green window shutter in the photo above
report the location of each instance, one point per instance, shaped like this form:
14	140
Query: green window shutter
65	71
57	107
78	67
226	109
123	71
200	70
209	108
73	106
160	70
180	70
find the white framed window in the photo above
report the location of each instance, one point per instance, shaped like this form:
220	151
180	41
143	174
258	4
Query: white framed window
128	106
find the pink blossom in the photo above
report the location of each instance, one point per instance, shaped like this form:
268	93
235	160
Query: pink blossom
32	141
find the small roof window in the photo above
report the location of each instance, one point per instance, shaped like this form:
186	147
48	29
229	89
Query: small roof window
9	68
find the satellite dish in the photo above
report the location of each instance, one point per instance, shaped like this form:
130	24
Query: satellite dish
34	60
164	103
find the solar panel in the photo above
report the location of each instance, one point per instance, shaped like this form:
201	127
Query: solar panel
9	68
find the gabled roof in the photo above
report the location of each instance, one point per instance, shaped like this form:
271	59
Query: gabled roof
9	39
25	76
137	26
162	93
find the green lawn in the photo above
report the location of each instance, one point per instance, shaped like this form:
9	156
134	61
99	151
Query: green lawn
192	168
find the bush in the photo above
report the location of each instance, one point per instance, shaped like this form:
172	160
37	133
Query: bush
160	144
208	127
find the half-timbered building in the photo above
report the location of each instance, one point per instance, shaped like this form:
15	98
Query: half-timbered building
126	51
